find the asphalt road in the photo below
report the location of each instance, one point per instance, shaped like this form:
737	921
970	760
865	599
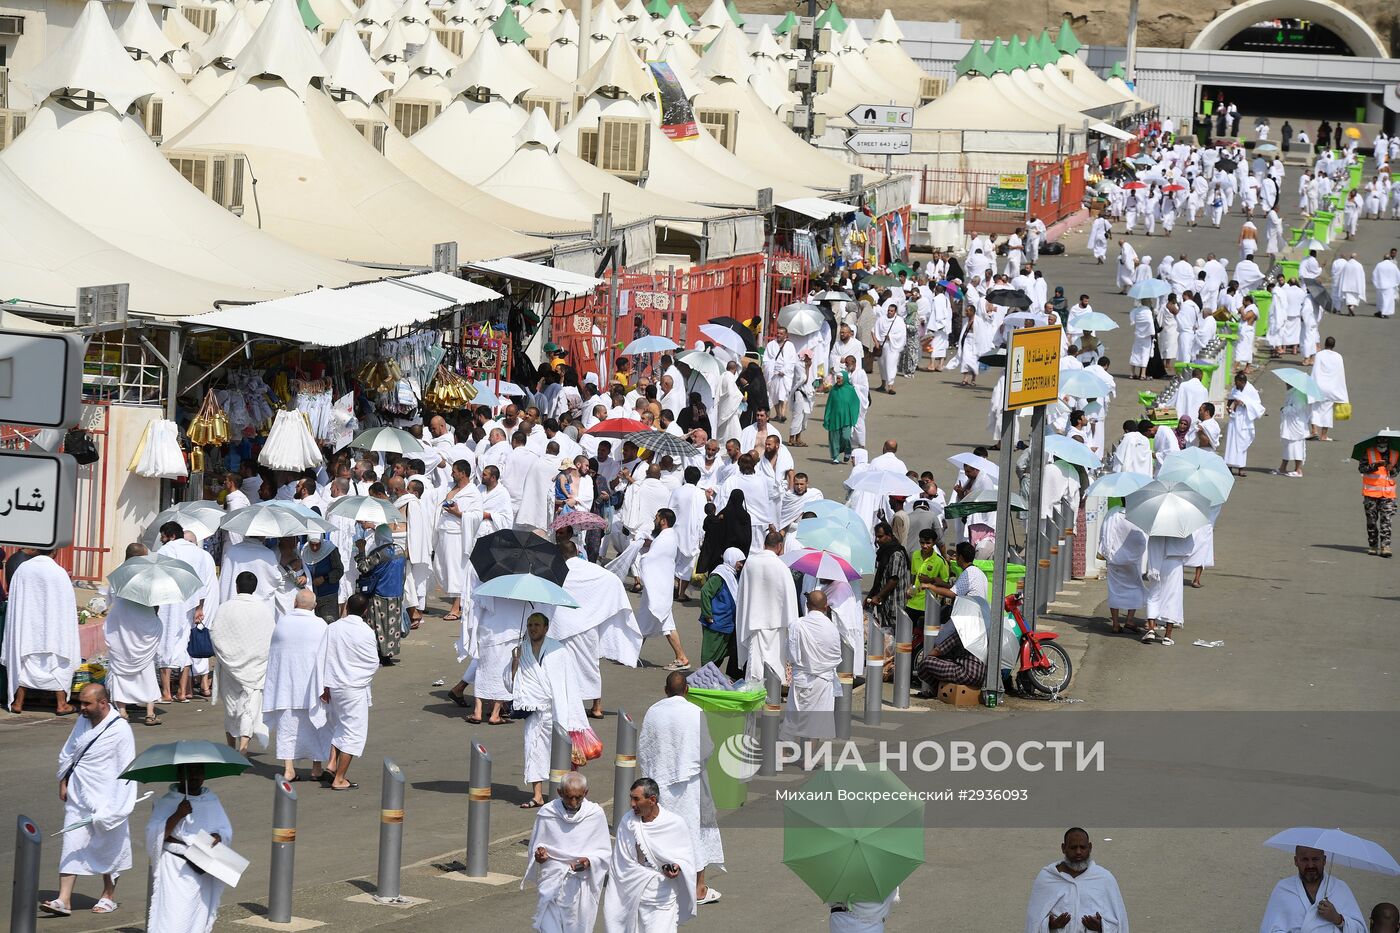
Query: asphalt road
1307	623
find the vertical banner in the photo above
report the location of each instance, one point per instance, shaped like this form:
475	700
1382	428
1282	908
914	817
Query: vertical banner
677	116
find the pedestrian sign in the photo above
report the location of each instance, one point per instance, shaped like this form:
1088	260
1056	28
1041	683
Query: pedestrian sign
1033	367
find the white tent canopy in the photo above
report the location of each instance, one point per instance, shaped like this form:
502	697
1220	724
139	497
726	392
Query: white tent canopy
565	284
91	59
348	66
140	32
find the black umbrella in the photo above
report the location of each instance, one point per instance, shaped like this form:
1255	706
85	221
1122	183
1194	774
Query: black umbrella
739	328
664	445
518	551
1009	298
1321	296
1227	165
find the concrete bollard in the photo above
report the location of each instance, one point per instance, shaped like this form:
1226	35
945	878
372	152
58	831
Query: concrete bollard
284	842
624	766
390	833
845	675
561	752
478	812
874	671
1066	547
770	723
903	659
24	896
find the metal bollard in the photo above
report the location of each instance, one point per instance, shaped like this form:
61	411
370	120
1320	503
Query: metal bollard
24	897
770	723
903	659
624	766
561	752
478	812
390	833
284	841
845	675
874	671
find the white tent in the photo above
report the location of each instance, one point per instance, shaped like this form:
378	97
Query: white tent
887	56
561	57
232	34
770	72
139	32
974	103
320	184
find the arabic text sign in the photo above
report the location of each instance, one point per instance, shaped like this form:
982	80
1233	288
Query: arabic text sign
37	491
41	379
1007	199
1033	367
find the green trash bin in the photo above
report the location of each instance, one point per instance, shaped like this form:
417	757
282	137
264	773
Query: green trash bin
1289	267
1262	301
1322	226
726	715
1355	171
1015	573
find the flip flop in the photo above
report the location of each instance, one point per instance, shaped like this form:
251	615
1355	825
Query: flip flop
676	666
474	720
457	698
452	618
532	804
351	786
152	721
599	716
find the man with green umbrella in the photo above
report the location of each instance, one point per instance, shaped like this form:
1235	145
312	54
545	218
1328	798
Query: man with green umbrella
184	899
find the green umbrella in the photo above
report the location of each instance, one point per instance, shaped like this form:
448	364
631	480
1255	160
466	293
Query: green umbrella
848	848
983	501
1301	381
851	541
159	763
1358	453
880	280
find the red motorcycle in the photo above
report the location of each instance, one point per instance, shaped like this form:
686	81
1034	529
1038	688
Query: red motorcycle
1042	668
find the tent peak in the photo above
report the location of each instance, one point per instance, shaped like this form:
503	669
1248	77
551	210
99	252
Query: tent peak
282	48
92	58
1066	41
349	67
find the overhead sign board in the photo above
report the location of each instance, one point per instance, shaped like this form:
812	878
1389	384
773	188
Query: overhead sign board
37	491
1033	367
881	143
882	115
41	379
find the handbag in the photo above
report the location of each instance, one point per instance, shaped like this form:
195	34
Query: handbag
201	644
79	445
1342	411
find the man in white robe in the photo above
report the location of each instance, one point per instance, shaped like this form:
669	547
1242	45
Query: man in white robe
767	605
688	504
603	625
651	883
177	619
418	546
98	750
1190	393
1330	373
1164	444
1353	285
1248	273
814	653
673	749
41	648
656	568
1244	408
1293	433
458	527
254	556
1165	576
1122	546
537	495
133	634
890	336
1134	452
1076	893
1385	277
570	852
1312	901
1127	266
727	405
183	898
517	468
242	631
292	705
1099	233
543	687
779	372
347	660
497	511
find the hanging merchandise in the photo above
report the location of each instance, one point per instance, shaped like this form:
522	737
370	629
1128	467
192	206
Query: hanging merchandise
290	445
448	392
313	399
245	400
210	426
344	425
158	455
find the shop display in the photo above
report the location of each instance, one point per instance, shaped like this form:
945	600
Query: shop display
158	455
290	445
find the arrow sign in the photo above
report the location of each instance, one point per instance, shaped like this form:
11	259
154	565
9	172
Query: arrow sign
881	143
882	115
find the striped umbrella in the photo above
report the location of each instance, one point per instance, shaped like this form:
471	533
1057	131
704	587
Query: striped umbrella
664	445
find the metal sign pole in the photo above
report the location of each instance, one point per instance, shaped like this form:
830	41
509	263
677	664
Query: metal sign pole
992	686
1035	543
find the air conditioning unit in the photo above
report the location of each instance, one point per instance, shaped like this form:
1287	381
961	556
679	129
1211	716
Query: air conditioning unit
553	108
931	89
698	48
219	175
153	118
622	146
203	18
4	88
410	116
723	125
539	55
366	37
12	123
578	102
451	39
373	131
11	25
588	145
441	14
821	76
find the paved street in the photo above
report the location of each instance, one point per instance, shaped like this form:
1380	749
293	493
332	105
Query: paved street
1307	620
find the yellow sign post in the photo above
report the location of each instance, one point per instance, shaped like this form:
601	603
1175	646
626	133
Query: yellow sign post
1033	367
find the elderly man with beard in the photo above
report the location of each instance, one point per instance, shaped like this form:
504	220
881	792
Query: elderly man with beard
1312	901
571	852
1076	894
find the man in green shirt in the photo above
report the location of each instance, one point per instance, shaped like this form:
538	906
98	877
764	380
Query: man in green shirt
926	568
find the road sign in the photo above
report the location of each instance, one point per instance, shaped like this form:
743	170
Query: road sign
881	143
882	115
41	379
37	491
1033	367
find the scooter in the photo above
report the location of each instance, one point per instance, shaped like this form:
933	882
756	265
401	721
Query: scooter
1041	667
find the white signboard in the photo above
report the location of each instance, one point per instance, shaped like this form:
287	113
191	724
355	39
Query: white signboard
41	379
882	115
881	143
37	491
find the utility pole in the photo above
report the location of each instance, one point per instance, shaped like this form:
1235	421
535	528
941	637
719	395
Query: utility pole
585	39
804	79
1131	65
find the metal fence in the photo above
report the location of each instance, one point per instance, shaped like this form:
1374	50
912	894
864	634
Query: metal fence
1049	197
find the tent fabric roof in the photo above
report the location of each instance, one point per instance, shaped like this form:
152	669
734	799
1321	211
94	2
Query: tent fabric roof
1104	129
92	59
1066	41
139	31
281	47
621	69
887	30
233	33
816	208
348	65
334	317
565	284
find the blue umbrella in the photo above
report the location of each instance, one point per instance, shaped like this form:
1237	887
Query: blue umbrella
1071	451
1304	383
1117	485
1080	384
651	344
830	508
1142	160
1150	288
840	538
1095	321
484	395
528	588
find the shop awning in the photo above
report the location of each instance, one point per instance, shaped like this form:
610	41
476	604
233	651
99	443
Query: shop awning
333	317
1105	129
816	208
565	284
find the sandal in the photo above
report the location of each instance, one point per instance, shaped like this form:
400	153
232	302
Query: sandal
104	905
457	698
532	804
452	617
56	907
1149	636
1168	642
599	716
474	720
350	786
152	721
677	666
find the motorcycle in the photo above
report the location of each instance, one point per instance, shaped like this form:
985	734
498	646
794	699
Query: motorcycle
1032	664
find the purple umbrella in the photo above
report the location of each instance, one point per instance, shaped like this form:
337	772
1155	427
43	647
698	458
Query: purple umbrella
823	565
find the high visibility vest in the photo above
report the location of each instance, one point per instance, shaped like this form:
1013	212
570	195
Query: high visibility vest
1380	484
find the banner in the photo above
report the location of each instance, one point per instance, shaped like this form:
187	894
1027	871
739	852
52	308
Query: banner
677	116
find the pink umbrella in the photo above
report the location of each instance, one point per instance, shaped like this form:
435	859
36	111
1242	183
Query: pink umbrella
823	565
1133	186
617	427
578	519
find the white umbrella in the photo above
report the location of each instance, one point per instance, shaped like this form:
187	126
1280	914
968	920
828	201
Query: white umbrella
724	337
1071	451
1204	472
832	296
652	343
801	318
1168	510
366	509
1342	848
980	464
698	361
154	580
1080	383
1117	485
201	517
266	520
883	483
969	617
387	440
